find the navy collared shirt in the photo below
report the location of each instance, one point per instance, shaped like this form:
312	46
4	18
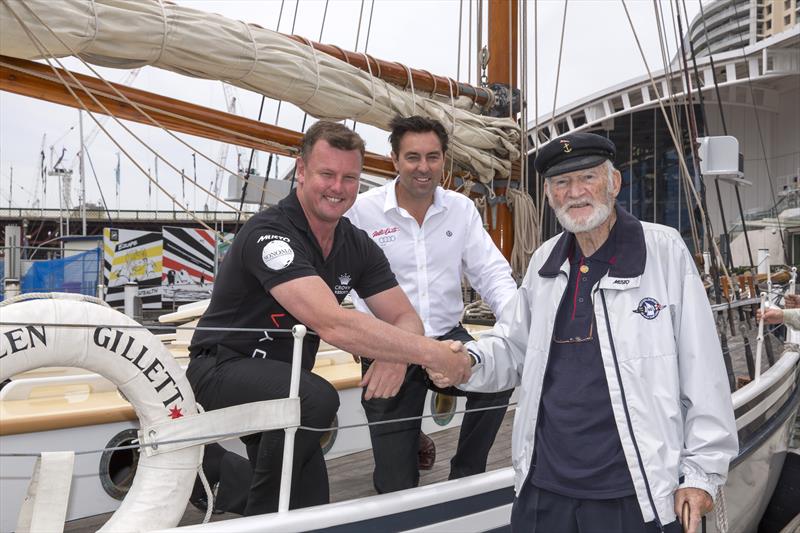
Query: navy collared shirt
578	450
273	247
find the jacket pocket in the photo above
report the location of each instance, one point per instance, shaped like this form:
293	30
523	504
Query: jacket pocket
645	330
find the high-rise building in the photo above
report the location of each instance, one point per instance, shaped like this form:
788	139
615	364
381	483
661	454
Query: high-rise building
726	25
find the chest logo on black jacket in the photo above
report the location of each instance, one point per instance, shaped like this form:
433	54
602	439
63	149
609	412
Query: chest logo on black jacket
277	255
648	308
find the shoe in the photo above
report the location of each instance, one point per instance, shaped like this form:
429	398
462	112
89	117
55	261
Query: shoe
427	452
199	499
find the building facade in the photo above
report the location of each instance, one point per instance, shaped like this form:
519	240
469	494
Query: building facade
725	25
751	93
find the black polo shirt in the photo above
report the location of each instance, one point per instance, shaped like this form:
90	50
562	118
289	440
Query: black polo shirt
578	450
273	247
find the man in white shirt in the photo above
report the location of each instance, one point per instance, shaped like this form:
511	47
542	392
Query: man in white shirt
431	237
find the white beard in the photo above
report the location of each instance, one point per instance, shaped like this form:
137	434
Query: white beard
599	215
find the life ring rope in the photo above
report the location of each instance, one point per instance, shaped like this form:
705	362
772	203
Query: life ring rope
54	295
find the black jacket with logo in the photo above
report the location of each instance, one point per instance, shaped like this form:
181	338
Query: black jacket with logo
273	247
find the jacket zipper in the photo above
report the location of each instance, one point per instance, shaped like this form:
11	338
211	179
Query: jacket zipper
627	414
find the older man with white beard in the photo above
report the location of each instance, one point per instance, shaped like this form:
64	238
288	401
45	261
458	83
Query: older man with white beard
625	417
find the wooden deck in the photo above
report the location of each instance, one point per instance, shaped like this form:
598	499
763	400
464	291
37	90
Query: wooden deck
351	475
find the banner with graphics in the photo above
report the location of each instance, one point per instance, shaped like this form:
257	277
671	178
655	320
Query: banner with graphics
132	255
188	265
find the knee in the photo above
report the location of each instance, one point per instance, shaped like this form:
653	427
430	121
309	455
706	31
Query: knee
319	403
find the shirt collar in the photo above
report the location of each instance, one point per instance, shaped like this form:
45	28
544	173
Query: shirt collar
628	248
604	254
290	205
390	202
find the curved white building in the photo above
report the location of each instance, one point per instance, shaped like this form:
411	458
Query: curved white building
759	104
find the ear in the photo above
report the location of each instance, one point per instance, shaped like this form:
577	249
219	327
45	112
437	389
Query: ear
300	170
395	161
547	191
617	182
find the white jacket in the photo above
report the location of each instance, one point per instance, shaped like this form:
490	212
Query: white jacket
661	354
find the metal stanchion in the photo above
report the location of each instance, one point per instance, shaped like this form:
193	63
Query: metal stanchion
298	332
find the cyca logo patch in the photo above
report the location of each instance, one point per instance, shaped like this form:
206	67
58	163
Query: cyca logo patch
648	308
277	255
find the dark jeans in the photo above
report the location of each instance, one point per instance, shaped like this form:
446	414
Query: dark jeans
395	446
537	510
220	382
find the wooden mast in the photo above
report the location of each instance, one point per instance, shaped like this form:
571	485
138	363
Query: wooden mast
35	80
502	68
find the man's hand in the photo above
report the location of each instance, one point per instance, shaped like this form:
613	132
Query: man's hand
700	503
452	367
772	315
383	379
792	301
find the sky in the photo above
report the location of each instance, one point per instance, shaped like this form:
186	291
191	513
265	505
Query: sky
599	51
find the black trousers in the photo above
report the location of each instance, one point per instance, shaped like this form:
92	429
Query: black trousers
224	380
538	510
395	446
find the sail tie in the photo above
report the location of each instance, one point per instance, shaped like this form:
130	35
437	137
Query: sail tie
316	68
411	85
164	33
96	25
371	89
254	63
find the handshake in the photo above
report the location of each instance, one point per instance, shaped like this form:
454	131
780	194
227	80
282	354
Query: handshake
453	365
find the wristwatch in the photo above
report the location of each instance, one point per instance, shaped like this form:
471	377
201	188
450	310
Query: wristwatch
474	359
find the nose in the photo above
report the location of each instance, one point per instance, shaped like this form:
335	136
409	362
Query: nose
575	189
337	184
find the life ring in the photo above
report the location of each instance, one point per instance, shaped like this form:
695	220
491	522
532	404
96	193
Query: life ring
65	330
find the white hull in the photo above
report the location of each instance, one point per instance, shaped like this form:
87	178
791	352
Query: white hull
483	502
87	496
752	482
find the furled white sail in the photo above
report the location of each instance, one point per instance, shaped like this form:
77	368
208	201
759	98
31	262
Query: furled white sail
133	33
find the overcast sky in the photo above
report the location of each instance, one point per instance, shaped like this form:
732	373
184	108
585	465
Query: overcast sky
599	52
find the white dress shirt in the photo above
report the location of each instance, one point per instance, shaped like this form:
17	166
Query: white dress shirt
429	260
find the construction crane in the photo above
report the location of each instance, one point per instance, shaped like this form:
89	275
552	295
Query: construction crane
230	102
101	120
42	177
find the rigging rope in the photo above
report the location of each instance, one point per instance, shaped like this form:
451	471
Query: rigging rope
760	134
684	176
99	188
253	150
43	49
523	26
725	131
560	52
681	159
703	119
226	436
715	260
458	54
526	231
469	43
538	180
367	60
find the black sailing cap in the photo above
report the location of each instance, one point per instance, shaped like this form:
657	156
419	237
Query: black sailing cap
576	151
